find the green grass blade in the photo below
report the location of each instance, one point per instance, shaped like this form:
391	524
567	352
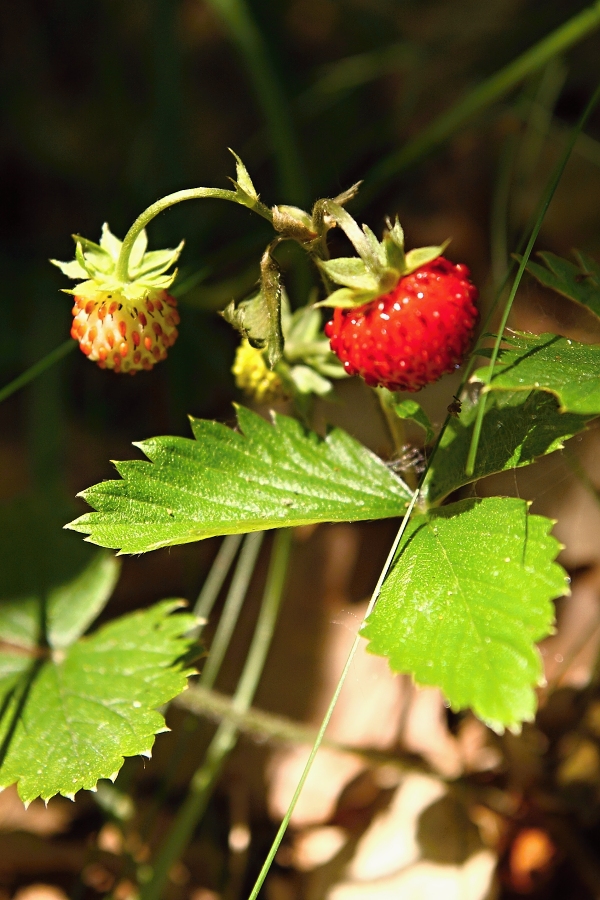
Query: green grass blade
552	185
479	99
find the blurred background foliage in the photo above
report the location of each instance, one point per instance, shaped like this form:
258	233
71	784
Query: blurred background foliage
108	105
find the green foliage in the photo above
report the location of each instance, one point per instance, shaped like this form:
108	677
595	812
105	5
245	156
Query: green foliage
580	283
468	595
227	482
410	409
51	586
549	362
69	718
518	427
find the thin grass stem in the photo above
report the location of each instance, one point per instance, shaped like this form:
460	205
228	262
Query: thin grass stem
37	369
547	199
480	98
326	719
232	608
225	738
275	106
214	581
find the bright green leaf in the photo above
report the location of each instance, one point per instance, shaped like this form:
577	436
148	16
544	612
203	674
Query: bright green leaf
72	718
410	409
467	597
48	576
549	362
580	283
517	428
228	482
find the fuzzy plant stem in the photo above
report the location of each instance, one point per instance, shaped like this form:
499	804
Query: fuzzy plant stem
122	268
214	581
483	96
224	740
37	369
326	719
396	428
548	195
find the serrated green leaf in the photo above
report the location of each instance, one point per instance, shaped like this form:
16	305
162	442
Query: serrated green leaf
73	718
549	362
227	482
518	428
468	596
351	272
579	283
410	409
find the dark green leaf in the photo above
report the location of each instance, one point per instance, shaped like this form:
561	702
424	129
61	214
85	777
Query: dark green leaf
69	720
226	482
548	362
468	596
580	283
517	428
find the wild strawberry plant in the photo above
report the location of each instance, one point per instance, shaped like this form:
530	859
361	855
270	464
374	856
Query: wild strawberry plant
468	588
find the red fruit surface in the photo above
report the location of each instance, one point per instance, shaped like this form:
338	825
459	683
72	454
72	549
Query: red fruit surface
413	335
124	335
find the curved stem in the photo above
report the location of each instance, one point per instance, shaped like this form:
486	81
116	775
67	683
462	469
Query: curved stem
122	268
224	740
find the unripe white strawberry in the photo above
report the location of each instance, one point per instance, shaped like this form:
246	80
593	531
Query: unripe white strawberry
120	336
122	324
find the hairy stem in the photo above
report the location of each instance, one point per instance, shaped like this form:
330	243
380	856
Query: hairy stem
122	268
233	604
225	738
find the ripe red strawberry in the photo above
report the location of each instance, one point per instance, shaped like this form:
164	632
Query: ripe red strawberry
125	336
411	336
125	324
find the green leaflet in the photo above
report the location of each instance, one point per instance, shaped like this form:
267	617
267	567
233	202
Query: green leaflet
467	597
226	482
580	283
69	719
549	362
518	427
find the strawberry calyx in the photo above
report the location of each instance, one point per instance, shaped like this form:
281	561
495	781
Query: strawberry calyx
379	265
122	324
95	266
